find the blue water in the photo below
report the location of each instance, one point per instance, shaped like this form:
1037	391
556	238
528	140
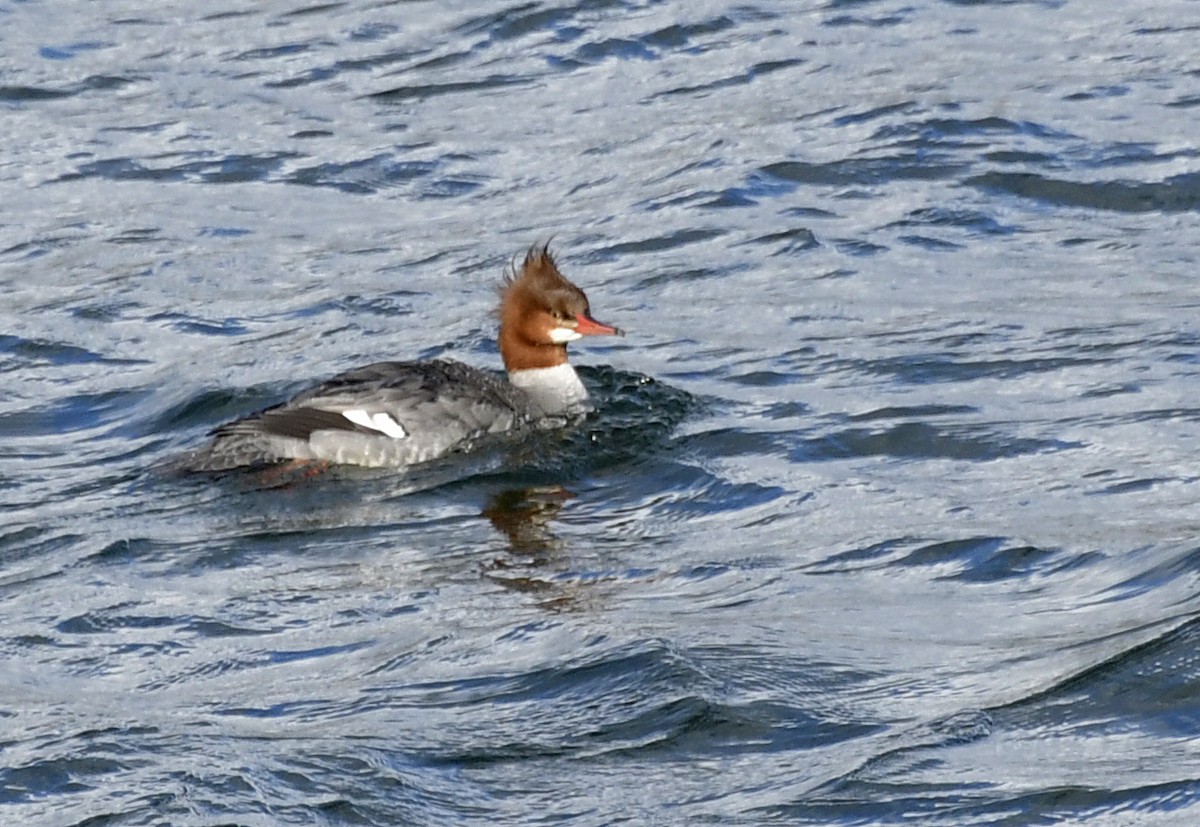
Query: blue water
888	510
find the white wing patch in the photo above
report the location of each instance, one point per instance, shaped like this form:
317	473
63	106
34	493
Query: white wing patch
376	422
561	335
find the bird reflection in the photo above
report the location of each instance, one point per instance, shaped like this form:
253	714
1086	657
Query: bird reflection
523	515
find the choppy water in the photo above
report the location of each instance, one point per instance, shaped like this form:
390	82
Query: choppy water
888	514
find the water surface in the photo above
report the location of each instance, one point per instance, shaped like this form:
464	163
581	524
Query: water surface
887	512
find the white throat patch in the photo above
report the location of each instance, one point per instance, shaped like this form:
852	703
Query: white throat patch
562	335
555	390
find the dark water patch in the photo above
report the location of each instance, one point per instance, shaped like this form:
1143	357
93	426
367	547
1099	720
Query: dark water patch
786	410
1175	29
128	463
925	242
1148	687
635	666
124	552
187	323
81	412
1046	4
27	251
18	352
450	188
269	53
685	491
418	92
1183	565
973	560
672	276
1110	338
220	15
319	74
36	94
519	20
1160	415
657	244
732	442
921	440
436	63
943	333
866	171
809	212
25	94
1133	486
887	803
369	32
796	240
703	198
696	725
371	783
637	698
366	176
1178	193
858	247
1184	343
112	619
740	79
70	51
931	129
287	709
1129	153
927	368
619	48
294	655
866	795
764	379
912	412
30	543
136	236
900	107
841	21
1111	390
1020	157
56	777
206	407
312	517
980	559
973	221
314	9
1098	92
152	128
732	197
756	188
227	169
214	668
852	559
679	35
225	232
390	305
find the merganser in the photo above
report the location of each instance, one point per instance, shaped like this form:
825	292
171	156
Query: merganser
397	414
